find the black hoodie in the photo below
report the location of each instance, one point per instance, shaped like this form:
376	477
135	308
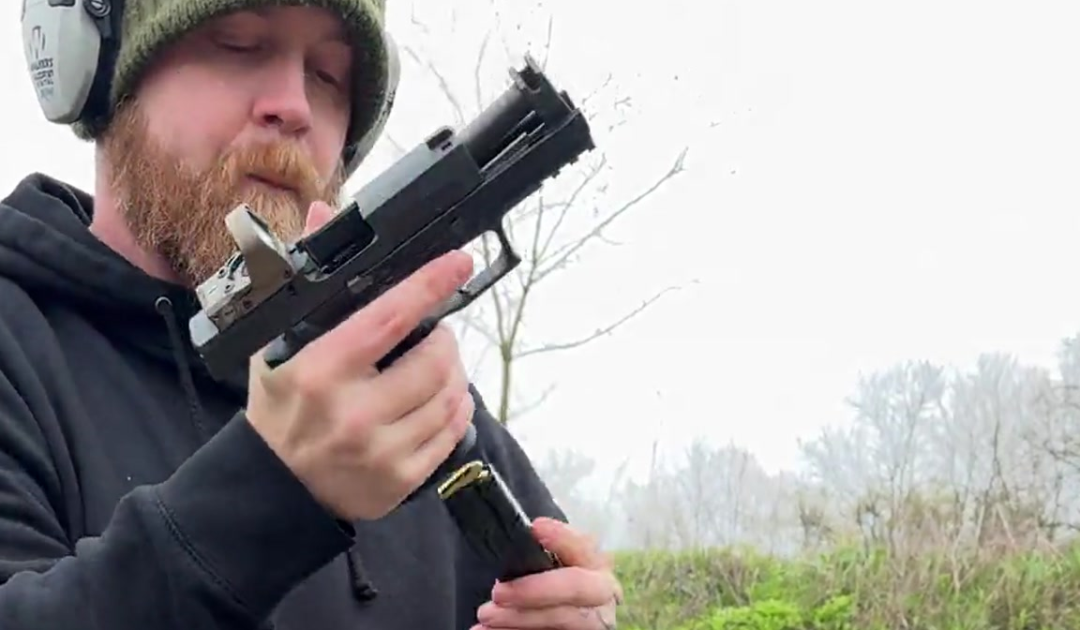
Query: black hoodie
134	494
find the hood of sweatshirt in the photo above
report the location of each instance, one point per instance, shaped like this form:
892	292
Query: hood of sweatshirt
46	247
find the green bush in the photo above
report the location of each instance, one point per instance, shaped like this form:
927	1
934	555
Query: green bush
850	589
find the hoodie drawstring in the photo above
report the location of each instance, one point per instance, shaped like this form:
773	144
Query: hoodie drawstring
164	307
362	589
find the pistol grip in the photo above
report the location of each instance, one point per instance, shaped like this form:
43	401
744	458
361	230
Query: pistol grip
285	346
292	341
413	339
463	448
461	451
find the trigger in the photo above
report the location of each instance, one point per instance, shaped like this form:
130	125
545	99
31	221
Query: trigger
452	304
475	287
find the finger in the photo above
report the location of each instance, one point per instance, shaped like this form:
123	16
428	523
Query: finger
568	586
370	333
411	429
493	616
317	215
573	547
434	451
421	374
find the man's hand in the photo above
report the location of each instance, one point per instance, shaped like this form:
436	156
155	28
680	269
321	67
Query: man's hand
582	595
362	440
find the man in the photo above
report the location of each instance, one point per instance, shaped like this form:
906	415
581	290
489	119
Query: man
138	492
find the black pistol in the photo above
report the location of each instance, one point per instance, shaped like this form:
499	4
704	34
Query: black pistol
493	522
446	192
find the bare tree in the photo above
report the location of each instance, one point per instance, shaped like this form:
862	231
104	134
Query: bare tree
553	228
1053	433
711	496
566	472
955	459
876	466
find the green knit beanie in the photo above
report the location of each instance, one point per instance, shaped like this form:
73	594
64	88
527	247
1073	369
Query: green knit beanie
149	25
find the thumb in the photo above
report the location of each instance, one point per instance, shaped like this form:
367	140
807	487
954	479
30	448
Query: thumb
318	214
573	548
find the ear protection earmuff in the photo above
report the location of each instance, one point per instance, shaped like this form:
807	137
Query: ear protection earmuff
71	46
393	78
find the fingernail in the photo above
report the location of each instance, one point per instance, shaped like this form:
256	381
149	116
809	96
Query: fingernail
465	265
545	527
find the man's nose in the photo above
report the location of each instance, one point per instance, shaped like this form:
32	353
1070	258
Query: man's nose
282	100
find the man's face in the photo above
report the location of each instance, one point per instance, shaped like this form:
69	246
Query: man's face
251	108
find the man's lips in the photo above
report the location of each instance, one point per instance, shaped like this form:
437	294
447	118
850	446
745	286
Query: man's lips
272	183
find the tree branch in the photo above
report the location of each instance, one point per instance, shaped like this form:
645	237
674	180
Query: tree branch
521	410
546	217
563	254
444	86
542	252
607	330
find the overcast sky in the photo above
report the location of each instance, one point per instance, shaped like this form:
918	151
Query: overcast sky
867	182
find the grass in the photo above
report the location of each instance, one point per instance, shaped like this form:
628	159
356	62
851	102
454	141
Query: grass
851	588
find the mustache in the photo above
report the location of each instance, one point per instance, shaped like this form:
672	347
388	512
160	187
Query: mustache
283	164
